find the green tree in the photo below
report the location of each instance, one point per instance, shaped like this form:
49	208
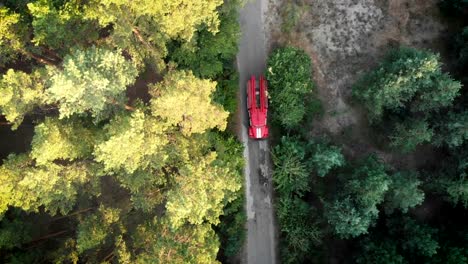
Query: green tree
299	229
94	229
414	237
407	79
451	179
452	129
60	28
92	80
409	134
404	192
143	27
210	52
289	77
14	232
326	158
15	40
11	39
183	100
291	173
54	187
21	93
355	209
380	252
348	218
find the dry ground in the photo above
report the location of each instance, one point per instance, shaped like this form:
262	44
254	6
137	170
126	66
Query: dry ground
345	38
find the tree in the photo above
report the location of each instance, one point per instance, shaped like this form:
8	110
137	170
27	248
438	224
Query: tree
409	134
14	232
349	219
11	32
143	27
200	192
54	187
126	145
326	158
94	229
355	209
21	93
452	178
156	242
404	192
452	129
56	139
207	57
60	28
369	182
291	173
299	229
289	76
15	40
407	79
92	80
183	100
380	252
414	237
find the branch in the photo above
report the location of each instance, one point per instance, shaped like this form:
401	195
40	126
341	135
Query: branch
126	106
40	58
45	237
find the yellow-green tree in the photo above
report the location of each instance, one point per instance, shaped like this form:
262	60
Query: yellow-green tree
56	139
185	101
91	81
157	242
143	27
132	142
55	187
200	192
20	94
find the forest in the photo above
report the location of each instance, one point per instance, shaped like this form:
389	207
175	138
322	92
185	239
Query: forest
363	209
114	142
118	143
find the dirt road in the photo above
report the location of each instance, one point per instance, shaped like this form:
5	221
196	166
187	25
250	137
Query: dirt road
251	59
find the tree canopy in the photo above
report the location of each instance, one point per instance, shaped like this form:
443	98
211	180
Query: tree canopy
92	81
21	93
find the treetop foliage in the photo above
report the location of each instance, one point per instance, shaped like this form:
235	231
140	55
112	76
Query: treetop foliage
92	80
126	145
289	78
406	79
56	139
21	93
183	100
354	210
405	192
292	172
60	28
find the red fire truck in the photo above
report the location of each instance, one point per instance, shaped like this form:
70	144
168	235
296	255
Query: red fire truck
257	105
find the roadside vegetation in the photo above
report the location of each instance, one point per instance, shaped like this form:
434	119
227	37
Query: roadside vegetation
326	197
127	104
